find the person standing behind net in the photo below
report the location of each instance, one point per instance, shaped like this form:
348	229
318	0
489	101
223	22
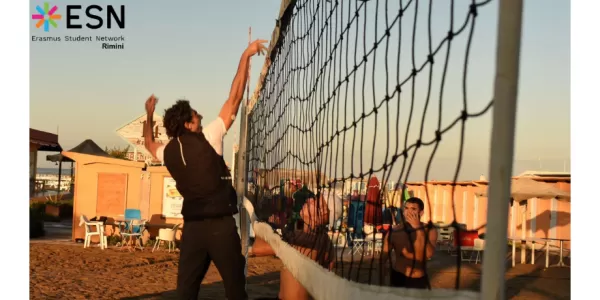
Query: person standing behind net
413	243
194	158
312	241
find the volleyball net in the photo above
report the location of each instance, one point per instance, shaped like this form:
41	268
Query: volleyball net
358	107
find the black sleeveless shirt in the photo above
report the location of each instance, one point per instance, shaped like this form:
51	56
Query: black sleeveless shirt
201	177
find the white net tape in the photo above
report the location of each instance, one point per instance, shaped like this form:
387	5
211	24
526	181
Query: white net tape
325	285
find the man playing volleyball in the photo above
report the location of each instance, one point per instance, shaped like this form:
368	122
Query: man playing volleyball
413	244
194	158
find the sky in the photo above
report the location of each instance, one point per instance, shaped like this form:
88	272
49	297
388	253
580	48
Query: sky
191	50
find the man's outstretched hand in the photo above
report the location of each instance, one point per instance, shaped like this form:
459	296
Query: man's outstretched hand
257	47
151	104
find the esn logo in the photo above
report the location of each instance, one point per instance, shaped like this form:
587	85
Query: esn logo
97	13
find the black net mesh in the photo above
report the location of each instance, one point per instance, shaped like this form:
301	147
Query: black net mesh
354	91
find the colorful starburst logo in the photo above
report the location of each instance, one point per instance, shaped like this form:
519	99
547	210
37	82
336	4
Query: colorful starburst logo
46	16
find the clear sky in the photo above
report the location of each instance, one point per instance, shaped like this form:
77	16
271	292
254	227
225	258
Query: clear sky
191	49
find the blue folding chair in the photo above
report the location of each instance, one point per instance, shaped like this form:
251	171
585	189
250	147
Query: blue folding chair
133	214
133	227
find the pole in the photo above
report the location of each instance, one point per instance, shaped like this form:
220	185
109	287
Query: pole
240	183
59	175
72	184
233	164
502	146
59	169
249	66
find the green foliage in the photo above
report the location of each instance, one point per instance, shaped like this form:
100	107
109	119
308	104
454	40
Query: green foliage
116	152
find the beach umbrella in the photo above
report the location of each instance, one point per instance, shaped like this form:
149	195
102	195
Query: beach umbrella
373	212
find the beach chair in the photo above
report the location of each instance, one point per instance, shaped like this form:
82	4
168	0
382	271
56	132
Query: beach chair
132	234
357	243
133	214
166	235
478	247
84	221
372	239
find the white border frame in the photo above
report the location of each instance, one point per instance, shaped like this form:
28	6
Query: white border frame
584	65
585	161
14	78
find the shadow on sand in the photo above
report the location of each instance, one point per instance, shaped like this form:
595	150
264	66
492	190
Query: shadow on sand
264	286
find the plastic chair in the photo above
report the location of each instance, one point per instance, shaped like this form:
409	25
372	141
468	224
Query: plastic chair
372	239
478	246
374	243
84	221
166	235
357	243
133	230
133	214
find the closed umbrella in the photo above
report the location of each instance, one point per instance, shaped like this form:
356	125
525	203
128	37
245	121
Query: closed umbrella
373	212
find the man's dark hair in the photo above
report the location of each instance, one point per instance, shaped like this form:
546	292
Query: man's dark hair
417	201
176	116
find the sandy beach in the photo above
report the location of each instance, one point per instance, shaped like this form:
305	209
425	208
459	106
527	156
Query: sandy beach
68	271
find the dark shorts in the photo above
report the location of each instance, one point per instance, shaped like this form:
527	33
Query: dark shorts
398	279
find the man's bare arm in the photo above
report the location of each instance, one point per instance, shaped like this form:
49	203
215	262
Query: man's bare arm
419	245
149	142
232	105
385	252
432	241
388	246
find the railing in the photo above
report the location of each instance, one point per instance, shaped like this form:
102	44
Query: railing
48	186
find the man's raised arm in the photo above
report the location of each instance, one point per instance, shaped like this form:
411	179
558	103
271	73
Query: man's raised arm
232	105
149	142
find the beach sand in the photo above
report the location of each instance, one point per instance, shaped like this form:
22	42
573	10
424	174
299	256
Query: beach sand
68	271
